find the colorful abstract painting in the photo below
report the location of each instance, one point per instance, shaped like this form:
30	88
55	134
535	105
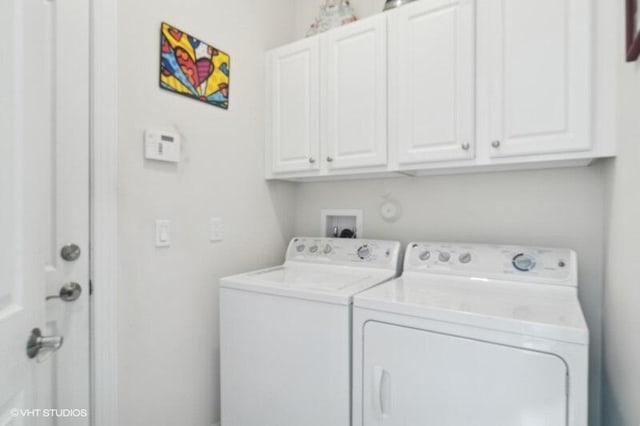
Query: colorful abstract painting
193	68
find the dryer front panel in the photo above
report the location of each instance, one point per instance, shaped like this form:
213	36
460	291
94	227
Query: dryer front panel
415	377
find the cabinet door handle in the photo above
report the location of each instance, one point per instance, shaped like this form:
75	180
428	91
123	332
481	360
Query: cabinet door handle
466	146
329	159
495	144
312	160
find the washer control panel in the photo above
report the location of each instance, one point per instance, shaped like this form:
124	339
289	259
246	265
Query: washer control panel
493	261
347	251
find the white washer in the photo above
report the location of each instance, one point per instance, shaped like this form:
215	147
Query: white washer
286	332
478	335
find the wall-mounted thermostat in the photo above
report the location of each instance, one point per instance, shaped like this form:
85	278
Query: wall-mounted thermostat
162	146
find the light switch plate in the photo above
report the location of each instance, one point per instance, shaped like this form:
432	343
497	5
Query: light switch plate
215	229
163	233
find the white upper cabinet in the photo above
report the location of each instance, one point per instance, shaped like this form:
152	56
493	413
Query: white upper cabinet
355	111
431	81
446	86
539	76
293	107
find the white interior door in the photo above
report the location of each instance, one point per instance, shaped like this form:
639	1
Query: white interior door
355	112
414	377
44	205
431	84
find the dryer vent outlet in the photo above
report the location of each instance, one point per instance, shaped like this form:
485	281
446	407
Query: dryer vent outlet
341	223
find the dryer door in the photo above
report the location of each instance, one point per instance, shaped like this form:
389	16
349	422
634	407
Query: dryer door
415	377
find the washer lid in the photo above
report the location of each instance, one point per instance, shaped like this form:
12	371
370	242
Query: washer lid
545	311
327	283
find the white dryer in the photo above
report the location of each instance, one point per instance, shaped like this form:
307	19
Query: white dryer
286	332
478	335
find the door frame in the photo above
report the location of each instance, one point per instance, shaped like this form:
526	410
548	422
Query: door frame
104	203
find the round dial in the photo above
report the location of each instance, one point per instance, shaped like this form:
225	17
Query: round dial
523	262
327	249
444	256
465	258
313	249
425	255
364	252
300	248
390	211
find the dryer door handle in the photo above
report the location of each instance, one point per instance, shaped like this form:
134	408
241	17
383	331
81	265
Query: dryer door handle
381	392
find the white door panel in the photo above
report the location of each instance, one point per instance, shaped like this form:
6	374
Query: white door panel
295	107
540	78
23	201
414	377
432	71
44	204
355	114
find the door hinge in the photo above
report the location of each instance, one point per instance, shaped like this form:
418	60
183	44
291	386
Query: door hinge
90	287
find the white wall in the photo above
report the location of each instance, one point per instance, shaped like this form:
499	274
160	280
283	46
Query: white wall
168	304
622	284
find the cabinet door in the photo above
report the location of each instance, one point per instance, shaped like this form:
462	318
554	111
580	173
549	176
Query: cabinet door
294	107
355	112
416	377
431	87
539	77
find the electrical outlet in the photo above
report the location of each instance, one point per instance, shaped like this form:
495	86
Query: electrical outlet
215	229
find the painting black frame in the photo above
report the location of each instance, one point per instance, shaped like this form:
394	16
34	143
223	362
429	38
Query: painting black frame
633	31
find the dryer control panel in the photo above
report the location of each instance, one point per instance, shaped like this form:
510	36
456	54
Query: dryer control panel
346	251
531	264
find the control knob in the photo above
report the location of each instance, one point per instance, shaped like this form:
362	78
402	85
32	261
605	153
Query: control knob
300	248
364	252
327	249
425	255
465	258
523	262
444	256
313	249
